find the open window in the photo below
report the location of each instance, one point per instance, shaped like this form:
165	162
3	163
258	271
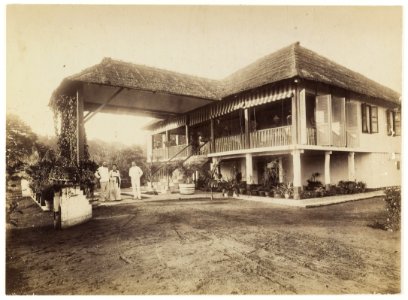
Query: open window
393	123
369	118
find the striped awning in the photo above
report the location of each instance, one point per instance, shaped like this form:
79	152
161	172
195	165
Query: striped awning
200	115
270	95
170	124
251	99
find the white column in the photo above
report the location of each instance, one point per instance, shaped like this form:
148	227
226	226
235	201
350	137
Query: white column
249	169
246	119
327	168
351	167
214	162
297	174
149	150
302	117
212	136
164	140
177	139
280	164
187	135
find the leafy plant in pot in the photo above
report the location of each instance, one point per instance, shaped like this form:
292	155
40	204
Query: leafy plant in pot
278	191
40	184
188	168
313	183
287	190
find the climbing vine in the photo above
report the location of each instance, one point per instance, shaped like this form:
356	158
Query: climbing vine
65	125
67	167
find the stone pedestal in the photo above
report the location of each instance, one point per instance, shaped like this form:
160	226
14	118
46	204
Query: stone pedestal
71	207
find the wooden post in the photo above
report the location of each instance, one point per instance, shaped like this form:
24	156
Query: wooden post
351	167
187	135
294	117
280	164
149	150
302	118
327	169
212	136
249	168
247	129
297	174
166	139
80	128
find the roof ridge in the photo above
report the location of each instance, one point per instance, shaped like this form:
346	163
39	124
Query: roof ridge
362	76
107	60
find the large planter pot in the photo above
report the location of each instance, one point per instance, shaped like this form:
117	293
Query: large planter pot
187	188
277	195
49	205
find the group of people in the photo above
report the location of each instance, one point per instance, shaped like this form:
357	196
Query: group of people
110	182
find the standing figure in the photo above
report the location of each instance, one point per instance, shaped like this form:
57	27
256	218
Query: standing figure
114	184
135	173
103	175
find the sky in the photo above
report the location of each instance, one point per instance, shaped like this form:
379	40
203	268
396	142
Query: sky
45	44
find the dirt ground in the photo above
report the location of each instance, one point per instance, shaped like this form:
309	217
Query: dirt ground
205	247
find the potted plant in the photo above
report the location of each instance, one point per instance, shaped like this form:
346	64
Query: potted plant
230	187
277	191
188	168
288	190
242	187
313	183
361	186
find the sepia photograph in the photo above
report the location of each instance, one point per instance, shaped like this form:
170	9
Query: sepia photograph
203	149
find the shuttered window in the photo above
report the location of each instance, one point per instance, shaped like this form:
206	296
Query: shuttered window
398	123
393	122
352	124
323	120
374	119
338	121
369	118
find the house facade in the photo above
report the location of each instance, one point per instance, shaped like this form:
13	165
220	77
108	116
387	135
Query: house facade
298	110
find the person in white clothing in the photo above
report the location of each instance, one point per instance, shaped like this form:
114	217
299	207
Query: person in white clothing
114	184
135	173
103	175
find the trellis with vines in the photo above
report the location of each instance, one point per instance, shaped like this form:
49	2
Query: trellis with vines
68	168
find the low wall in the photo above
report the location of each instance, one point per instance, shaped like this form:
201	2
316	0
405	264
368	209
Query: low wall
71	207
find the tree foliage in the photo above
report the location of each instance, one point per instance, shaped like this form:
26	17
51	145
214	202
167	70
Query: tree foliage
393	208
20	144
119	154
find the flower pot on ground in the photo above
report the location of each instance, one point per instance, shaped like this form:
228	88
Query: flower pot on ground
187	169
187	188
49	205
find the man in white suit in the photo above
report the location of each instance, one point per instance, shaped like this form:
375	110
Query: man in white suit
103	175
135	173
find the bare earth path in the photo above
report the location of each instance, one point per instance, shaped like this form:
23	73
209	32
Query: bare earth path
206	247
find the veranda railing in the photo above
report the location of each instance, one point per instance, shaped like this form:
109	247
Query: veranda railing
229	143
271	137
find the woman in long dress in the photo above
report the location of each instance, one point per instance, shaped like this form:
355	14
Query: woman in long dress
114	184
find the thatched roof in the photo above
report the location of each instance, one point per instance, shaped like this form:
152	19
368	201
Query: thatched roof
297	61
289	62
123	74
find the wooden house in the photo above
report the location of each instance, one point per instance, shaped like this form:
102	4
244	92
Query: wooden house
293	107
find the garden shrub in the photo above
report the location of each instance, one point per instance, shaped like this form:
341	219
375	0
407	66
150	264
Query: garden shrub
393	207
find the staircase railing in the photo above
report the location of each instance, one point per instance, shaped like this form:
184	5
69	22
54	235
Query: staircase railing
190	153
